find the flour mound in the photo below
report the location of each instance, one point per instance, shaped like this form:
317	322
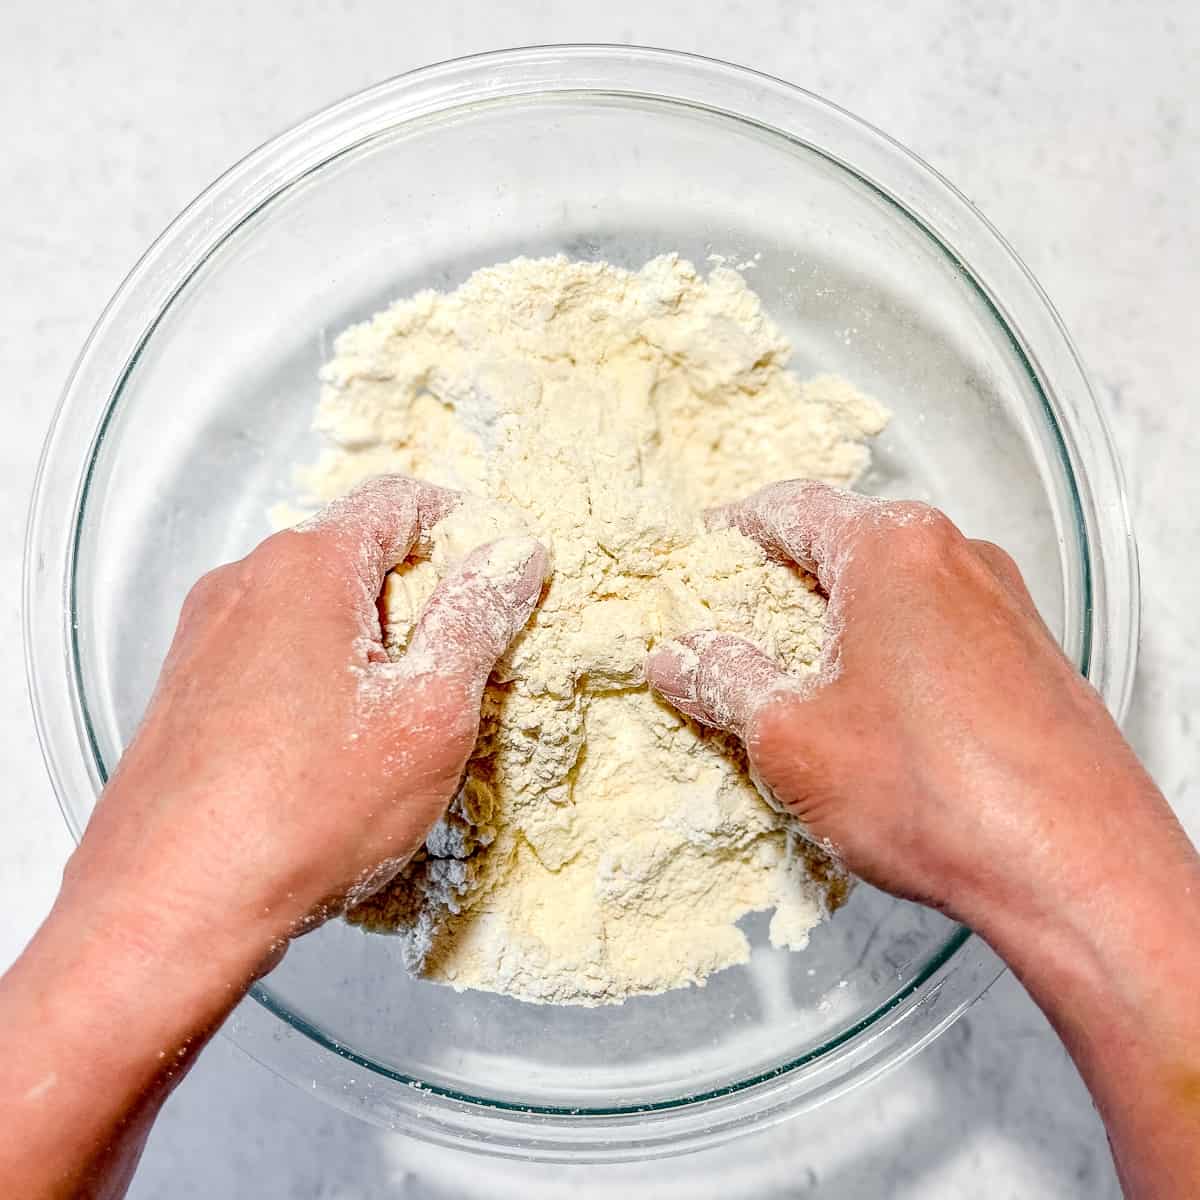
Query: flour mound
601	846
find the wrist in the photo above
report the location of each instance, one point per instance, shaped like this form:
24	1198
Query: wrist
170	893
1071	862
1106	936
143	987
149	926
98	1021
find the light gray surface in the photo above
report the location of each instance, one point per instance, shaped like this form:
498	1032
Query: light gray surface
1072	125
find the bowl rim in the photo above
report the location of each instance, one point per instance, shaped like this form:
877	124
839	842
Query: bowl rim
953	978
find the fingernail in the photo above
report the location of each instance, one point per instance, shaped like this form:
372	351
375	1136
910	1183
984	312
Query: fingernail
672	669
518	567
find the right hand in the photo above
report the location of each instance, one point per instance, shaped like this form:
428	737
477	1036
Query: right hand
949	753
945	748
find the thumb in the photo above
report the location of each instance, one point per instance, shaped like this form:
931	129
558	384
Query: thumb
729	683
716	678
429	700
477	610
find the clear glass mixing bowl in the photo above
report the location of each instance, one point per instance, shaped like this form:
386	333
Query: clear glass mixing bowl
193	397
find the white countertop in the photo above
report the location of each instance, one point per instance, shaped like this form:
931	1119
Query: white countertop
1071	123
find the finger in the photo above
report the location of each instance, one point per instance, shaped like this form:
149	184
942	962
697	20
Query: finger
809	523
716	678
477	610
377	525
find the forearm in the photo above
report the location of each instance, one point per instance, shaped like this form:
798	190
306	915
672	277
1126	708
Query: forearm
99	1019
1112	956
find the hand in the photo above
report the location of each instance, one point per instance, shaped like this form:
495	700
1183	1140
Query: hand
929	747
949	753
285	764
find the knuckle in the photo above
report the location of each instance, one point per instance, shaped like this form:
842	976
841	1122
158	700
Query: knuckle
998	558
282	551
797	491
212	588
277	557
916	515
922	534
289	556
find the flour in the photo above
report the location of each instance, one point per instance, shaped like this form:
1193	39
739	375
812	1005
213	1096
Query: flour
601	846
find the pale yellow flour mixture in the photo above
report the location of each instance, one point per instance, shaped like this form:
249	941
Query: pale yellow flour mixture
601	847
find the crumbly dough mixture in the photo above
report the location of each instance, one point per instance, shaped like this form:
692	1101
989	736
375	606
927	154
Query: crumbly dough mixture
601	846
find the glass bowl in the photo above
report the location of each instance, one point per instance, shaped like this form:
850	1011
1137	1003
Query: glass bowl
194	395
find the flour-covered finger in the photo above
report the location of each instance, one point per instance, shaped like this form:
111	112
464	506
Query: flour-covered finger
802	521
477	610
377	525
715	678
